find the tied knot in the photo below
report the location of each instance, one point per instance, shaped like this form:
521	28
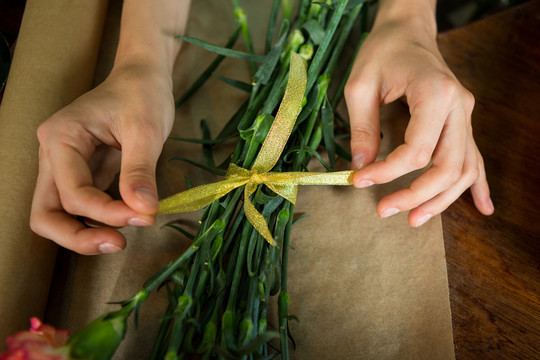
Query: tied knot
256	178
283	184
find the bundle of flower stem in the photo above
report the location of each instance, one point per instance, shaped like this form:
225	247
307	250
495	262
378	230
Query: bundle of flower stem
219	288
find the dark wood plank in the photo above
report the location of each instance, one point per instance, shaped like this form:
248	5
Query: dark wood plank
494	262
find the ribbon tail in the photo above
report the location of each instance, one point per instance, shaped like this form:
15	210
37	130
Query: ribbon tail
255	218
198	197
328	178
288	191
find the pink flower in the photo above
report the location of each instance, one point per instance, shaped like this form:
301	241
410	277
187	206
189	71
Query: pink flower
41	342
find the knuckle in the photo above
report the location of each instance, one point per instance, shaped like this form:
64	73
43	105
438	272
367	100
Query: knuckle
468	101
355	88
139	172
480	160
70	206
453	174
471	174
36	225
43	132
448	88
363	133
420	157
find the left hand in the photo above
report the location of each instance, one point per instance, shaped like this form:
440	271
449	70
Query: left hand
399	59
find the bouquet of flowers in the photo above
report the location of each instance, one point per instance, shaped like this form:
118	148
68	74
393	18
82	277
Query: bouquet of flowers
219	288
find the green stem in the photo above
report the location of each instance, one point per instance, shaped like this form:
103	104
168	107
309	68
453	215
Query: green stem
271	26
342	38
283	299
208	72
321	54
241	19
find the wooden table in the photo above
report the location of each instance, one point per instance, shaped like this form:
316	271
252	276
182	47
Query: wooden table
494	262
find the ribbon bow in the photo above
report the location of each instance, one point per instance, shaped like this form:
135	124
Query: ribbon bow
284	184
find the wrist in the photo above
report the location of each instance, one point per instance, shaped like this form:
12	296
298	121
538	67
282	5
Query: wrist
147	32
151	57
141	71
418	17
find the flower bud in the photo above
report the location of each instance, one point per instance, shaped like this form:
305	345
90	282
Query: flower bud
100	339
306	52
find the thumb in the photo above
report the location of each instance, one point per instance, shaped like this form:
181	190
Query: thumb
140	153
363	108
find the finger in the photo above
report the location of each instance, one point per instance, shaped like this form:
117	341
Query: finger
446	169
141	147
363	107
72	234
441	202
480	189
68	155
421	137
48	220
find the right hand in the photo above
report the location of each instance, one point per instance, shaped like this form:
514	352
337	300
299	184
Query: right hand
120	125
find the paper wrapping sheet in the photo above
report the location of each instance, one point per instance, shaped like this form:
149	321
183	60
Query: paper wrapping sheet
362	287
53	64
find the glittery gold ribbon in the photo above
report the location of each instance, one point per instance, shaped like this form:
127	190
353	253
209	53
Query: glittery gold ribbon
284	184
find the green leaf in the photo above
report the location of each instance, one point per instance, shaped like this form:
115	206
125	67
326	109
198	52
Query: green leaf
327	122
213	170
261	198
272	205
208	71
180	230
309	151
322	4
203	141
300	219
342	153
240	85
222	50
317	62
354	3
208	154
188	182
230	128
271	26
307	110
256	343
315	31
265	71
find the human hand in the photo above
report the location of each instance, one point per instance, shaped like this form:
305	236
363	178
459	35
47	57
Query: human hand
399	58
128	117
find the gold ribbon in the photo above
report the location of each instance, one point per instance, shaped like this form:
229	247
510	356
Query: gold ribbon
284	184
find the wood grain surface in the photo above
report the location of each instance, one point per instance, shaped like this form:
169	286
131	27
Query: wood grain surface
494	262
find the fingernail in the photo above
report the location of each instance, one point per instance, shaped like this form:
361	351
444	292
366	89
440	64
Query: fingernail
107	248
364	183
422	220
92	223
389	212
358	160
138	222
146	195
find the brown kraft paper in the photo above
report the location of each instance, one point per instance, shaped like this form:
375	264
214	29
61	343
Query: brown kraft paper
362	287
53	64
